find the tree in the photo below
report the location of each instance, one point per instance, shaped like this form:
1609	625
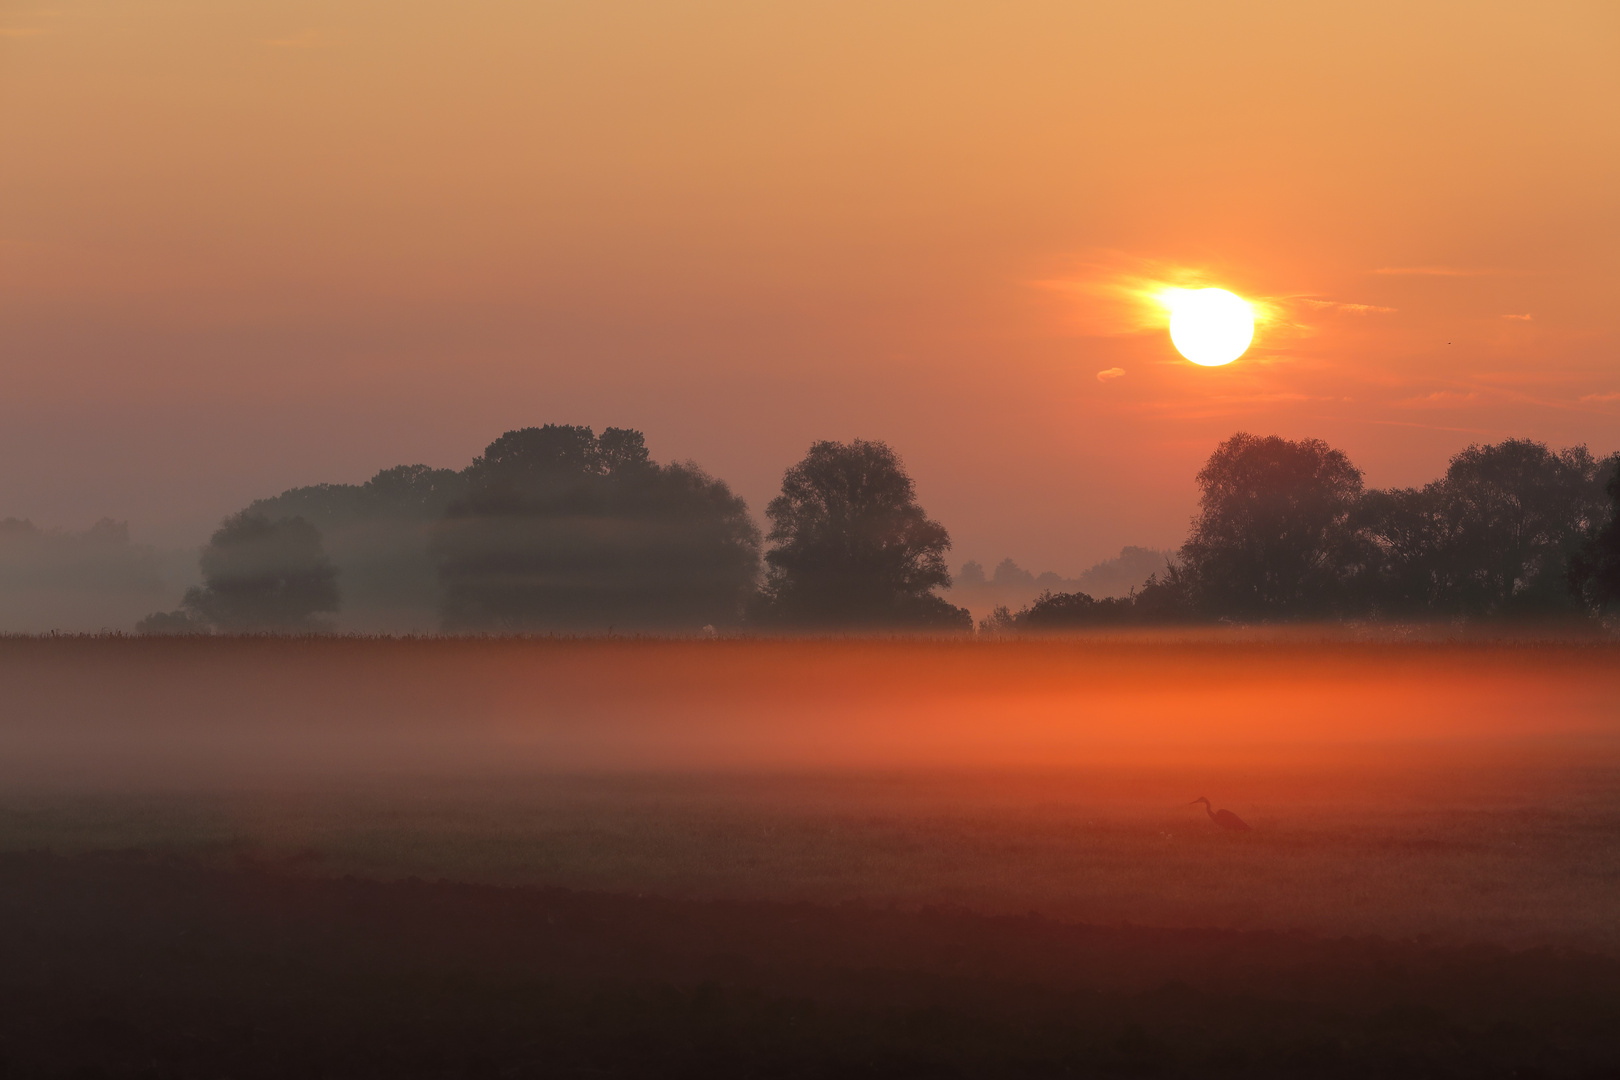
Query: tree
1058	611
260	574
1119	576
1595	571
377	535
1158	600
1010	575
1498	535
851	547
1518	513
1164	597
1413	535
562	530
1274	536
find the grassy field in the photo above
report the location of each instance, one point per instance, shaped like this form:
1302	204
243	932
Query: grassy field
1416	797
124	966
1521	856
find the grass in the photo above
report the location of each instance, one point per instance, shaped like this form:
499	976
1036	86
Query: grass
121	966
1450	811
1519	857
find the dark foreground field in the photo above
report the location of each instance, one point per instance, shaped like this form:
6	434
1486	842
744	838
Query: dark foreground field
345	858
132	965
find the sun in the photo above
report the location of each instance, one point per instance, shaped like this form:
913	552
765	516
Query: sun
1210	327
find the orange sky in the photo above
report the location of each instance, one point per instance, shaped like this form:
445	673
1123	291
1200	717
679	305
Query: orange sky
251	245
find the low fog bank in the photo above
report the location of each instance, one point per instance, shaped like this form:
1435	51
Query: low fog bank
83	582
179	712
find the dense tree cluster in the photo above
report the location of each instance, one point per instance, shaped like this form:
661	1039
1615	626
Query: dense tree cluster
1499	534
379	535
1285	530
556	528
1595	570
561	529
258	575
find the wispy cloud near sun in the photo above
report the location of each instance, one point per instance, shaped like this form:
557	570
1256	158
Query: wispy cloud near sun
1440	399
1341	306
1119	293
1431	271
1113	293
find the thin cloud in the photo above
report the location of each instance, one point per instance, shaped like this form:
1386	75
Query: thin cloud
1347	308
1504	393
1521	318
1440	399
1601	399
1431	271
1425	427
1274	398
1110	374
1525	378
1219	405
1118	293
21	31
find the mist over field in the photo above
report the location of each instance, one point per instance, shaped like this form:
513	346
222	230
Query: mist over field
200	710
1374	725
96	580
809	542
1439	787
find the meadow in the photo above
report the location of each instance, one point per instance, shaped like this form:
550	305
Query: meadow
1413	802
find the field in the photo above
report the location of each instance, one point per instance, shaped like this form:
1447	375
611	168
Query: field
621	857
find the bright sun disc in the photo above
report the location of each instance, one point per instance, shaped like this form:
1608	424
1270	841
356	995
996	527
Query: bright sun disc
1210	326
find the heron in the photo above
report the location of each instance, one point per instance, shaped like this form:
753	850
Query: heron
1224	818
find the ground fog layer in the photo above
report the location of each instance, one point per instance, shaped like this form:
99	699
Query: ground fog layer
1463	791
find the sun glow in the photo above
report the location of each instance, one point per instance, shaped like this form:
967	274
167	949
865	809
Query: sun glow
1210	327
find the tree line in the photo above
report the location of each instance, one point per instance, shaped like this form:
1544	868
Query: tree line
1286	530
556	528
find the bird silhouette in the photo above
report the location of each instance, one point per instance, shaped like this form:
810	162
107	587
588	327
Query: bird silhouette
1224	818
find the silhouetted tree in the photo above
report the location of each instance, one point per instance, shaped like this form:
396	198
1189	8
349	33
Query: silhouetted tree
377	535
1165	597
1274	537
1010	575
1497	535
1415	548
260	574
1595	571
1161	599
853	548
1520	512
1056	611
1119	576
560	529
1001	620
